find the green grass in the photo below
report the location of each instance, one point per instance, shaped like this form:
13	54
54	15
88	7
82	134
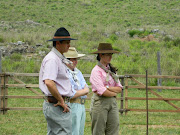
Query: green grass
92	22
33	122
92	14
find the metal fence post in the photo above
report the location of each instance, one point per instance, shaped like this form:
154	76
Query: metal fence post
159	81
147	117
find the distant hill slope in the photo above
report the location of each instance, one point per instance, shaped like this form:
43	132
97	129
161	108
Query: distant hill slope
33	22
89	15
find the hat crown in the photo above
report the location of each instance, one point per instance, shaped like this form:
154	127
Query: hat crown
105	46
62	32
72	53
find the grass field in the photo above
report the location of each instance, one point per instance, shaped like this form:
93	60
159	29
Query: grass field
91	22
134	123
34	123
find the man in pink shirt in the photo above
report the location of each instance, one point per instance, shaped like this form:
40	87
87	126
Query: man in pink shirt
55	84
105	85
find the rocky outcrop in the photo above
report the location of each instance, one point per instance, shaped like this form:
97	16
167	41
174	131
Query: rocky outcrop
19	47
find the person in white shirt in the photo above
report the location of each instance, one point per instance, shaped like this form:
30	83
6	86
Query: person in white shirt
55	84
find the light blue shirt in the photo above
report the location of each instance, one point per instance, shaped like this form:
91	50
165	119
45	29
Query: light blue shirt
81	80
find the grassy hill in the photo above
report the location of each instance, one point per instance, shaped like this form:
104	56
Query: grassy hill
88	15
95	21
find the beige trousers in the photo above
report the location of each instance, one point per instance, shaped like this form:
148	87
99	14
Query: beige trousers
104	115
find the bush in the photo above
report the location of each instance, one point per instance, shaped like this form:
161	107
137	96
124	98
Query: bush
1	39
114	37
132	32
176	42
171	42
16	57
139	33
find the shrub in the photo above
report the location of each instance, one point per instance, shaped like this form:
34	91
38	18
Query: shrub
132	32
1	39
16	57
176	42
167	39
138	33
114	37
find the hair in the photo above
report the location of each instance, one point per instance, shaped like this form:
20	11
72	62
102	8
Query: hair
112	68
54	43
98	57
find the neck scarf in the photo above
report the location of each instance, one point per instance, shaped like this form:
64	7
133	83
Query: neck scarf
64	59
108	71
74	75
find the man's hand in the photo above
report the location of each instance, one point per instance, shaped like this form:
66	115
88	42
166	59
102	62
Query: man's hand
63	105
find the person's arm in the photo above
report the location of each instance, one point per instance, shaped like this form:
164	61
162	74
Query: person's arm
81	92
108	93
53	90
115	89
96	80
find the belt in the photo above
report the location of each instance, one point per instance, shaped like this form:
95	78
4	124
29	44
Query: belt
96	95
52	99
78	100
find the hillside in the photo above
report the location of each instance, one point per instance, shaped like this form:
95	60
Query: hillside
95	21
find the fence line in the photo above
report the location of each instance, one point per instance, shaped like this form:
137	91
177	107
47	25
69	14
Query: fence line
123	99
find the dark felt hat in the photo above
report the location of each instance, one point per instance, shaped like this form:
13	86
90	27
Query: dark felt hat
61	34
105	48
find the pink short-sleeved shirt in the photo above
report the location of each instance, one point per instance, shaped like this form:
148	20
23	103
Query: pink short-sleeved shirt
98	80
53	68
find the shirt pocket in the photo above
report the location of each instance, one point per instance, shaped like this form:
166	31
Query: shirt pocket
104	75
111	81
62	73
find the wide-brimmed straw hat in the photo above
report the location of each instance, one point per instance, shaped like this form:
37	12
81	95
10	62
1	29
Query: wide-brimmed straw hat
72	53
105	48
61	34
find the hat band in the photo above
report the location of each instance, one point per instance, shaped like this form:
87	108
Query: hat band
104	49
63	37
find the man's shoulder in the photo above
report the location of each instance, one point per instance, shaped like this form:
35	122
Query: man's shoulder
51	55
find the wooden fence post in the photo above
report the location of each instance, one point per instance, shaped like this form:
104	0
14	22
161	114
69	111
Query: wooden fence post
122	97
126	94
1	99
2	94
5	92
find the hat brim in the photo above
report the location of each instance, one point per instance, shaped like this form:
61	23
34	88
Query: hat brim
79	55
61	39
105	51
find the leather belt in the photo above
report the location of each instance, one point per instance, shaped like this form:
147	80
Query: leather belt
78	100
52	99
